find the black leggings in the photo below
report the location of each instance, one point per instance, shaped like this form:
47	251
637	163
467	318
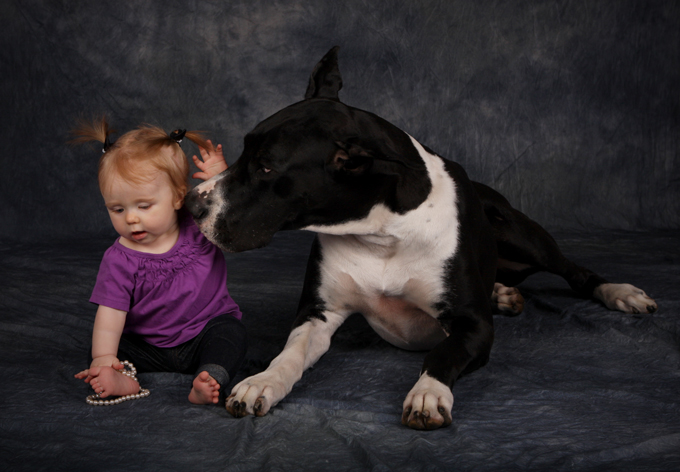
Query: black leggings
219	349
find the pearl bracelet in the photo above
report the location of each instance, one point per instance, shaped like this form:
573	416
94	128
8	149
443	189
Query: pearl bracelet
129	370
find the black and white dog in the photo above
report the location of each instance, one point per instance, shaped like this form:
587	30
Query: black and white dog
404	237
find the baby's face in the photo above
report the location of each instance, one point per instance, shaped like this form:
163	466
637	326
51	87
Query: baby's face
144	214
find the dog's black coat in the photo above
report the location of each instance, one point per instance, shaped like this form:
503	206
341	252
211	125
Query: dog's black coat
322	165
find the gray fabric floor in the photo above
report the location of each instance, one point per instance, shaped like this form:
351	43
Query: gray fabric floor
570	385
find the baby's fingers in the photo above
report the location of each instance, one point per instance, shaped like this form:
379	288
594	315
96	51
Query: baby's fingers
199	163
85	376
205	152
200	175
82	374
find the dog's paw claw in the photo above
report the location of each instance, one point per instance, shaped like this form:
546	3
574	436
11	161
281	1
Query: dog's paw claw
259	407
235	408
422	420
428	405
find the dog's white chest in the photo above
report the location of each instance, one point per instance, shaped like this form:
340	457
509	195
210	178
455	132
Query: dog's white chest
391	267
364	274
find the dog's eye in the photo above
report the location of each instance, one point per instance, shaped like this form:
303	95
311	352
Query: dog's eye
266	170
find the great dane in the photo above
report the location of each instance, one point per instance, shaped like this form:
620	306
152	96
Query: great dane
403	237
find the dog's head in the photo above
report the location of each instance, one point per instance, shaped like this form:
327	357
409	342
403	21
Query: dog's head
316	163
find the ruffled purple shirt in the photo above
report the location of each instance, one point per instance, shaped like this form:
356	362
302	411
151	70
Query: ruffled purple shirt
168	297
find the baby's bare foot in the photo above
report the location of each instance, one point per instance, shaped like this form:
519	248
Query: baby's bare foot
111	382
205	390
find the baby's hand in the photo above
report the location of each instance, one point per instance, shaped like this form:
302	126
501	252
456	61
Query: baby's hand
84	374
212	164
97	364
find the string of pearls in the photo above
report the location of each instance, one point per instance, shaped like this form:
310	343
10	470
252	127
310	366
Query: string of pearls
129	370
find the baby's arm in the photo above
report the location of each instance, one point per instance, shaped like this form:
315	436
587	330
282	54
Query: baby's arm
212	164
108	327
102	375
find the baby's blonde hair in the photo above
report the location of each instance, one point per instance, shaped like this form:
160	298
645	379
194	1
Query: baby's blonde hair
145	146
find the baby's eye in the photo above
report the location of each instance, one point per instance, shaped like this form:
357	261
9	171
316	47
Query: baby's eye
144	207
116	210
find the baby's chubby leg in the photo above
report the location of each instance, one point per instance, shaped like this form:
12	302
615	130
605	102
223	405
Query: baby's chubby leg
221	350
107	381
205	390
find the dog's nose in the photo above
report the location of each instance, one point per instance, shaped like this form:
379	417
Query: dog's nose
197	206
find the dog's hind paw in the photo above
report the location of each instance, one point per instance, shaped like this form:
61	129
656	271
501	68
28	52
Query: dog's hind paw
626	298
507	300
428	405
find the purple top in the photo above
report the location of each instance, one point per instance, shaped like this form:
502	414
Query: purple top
168	297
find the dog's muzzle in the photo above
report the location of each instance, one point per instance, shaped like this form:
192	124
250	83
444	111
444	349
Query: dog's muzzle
202	199
198	204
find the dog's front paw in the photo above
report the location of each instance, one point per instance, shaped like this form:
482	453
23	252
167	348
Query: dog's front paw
625	298
428	405
255	395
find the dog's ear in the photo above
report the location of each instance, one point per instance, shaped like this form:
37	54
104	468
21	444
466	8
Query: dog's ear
351	159
326	80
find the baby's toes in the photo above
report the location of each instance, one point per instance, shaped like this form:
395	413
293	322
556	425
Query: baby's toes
96	387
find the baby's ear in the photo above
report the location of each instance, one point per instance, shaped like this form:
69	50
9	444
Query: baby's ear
179	202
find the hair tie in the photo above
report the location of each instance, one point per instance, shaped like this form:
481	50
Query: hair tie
178	135
107	144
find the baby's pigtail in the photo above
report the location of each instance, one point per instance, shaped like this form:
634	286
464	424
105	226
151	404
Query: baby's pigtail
198	139
88	131
157	138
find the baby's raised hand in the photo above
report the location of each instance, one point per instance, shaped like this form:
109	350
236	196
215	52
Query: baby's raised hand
212	164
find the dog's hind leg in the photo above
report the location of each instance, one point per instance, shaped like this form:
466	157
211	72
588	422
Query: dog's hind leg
625	297
525	248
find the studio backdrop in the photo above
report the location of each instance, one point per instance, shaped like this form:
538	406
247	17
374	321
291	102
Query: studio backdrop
570	109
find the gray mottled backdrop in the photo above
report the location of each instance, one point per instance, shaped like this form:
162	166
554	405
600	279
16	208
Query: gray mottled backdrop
569	108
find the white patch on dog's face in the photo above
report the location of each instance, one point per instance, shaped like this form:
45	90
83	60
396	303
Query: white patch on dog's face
217	206
388	261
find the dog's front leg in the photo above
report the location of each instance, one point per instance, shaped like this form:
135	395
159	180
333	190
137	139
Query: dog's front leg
306	344
428	405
